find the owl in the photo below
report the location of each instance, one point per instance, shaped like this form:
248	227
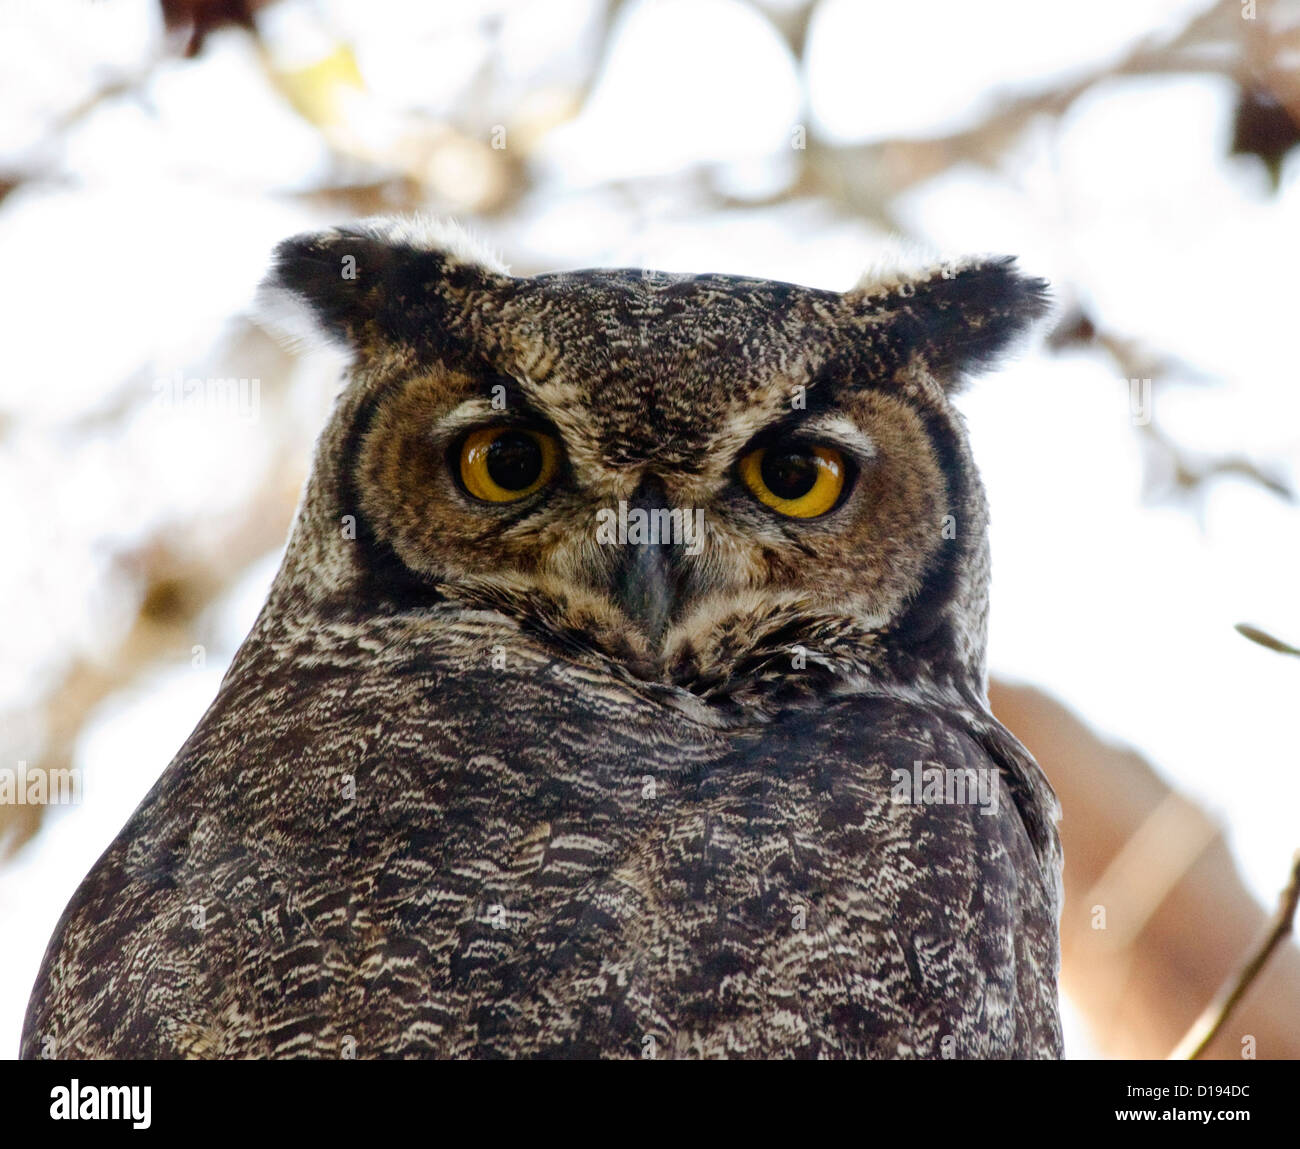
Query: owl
621	694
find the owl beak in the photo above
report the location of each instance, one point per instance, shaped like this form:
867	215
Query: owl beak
648	580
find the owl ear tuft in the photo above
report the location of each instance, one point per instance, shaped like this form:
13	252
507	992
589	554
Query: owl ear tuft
381	279
959	317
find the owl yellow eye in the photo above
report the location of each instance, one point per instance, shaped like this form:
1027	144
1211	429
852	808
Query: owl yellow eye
794	479
505	464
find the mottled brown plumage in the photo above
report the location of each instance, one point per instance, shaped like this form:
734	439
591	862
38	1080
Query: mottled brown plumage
479	783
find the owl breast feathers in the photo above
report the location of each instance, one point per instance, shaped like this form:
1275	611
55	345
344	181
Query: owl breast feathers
621	694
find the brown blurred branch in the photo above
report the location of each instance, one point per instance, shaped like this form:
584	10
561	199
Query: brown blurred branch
178	579
1156	914
1265	639
1172	471
1202	1034
176	573
44	167
1216	41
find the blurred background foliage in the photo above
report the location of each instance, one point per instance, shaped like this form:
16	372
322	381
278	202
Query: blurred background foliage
1140	455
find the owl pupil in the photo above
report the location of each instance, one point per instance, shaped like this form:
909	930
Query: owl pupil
514	460
789	474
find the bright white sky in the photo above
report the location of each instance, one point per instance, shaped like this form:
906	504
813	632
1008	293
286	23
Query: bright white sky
131	265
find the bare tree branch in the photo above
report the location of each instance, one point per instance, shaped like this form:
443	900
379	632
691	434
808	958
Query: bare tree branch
1216	1014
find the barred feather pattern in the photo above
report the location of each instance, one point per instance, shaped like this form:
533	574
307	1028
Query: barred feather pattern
456	798
675	888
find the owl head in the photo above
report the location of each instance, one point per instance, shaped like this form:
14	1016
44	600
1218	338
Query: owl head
731	486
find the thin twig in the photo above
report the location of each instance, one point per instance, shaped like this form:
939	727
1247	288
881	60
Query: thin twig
1265	639
1206	1027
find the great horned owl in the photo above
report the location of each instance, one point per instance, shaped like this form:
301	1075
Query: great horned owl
621	694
